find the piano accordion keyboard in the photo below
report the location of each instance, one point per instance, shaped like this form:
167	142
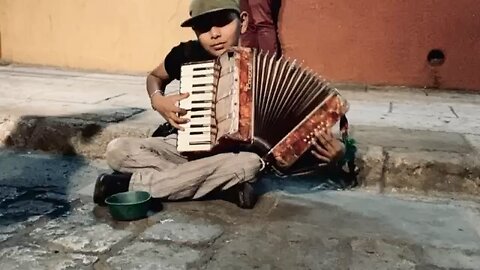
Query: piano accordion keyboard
199	80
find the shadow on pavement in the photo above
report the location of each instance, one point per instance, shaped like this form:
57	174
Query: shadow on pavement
314	183
35	184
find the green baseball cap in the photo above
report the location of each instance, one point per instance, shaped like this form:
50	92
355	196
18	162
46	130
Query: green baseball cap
199	8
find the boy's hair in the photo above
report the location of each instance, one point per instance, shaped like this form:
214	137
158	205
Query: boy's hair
200	8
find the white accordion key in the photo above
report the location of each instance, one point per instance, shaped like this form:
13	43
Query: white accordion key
200	85
196	68
199	135
201	121
203	129
192	85
197	101
199	114
197	81
197	77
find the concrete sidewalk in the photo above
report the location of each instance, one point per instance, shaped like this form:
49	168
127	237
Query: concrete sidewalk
46	224
412	140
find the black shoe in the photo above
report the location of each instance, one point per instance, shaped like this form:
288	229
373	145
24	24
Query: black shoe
246	196
243	195
108	185
164	130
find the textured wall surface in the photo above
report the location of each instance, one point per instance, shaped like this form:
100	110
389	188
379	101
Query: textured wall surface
386	41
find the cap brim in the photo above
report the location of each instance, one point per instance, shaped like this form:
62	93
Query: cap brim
188	23
191	22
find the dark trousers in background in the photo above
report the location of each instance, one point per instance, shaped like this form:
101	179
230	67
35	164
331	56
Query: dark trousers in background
262	28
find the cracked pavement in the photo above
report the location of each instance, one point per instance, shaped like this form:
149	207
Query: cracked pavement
46	222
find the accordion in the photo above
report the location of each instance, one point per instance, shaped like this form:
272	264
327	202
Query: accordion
256	99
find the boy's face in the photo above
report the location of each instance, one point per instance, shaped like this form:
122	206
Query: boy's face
219	31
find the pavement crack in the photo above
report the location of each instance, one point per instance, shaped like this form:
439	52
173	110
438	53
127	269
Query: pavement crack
453	111
390	107
345	250
109	98
382	180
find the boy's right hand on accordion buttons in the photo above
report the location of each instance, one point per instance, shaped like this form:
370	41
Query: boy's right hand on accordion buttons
327	148
167	107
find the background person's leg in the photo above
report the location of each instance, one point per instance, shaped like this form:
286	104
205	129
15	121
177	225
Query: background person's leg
249	38
261	14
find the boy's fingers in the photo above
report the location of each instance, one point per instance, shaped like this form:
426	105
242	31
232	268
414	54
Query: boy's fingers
320	149
329	133
176	109
182	96
163	115
326	143
182	112
175	125
178	119
314	142
320	157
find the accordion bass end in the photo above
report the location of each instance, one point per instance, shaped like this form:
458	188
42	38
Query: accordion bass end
298	141
256	99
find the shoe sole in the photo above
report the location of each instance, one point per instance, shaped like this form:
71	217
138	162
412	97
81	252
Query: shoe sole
97	197
246	196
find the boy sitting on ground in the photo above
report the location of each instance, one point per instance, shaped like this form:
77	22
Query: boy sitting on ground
154	164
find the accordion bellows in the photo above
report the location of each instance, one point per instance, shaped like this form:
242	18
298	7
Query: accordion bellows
254	98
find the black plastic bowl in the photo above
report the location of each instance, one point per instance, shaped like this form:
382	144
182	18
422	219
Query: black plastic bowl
127	206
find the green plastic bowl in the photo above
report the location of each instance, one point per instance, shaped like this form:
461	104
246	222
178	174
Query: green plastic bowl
131	205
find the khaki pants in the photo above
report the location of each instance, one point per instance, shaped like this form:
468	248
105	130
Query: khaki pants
158	168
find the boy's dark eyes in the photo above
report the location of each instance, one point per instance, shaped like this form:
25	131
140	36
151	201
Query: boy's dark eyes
205	24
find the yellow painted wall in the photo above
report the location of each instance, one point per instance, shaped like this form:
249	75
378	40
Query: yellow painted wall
111	35
340	39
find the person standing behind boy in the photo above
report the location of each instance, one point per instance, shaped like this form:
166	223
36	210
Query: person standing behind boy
154	164
262	25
